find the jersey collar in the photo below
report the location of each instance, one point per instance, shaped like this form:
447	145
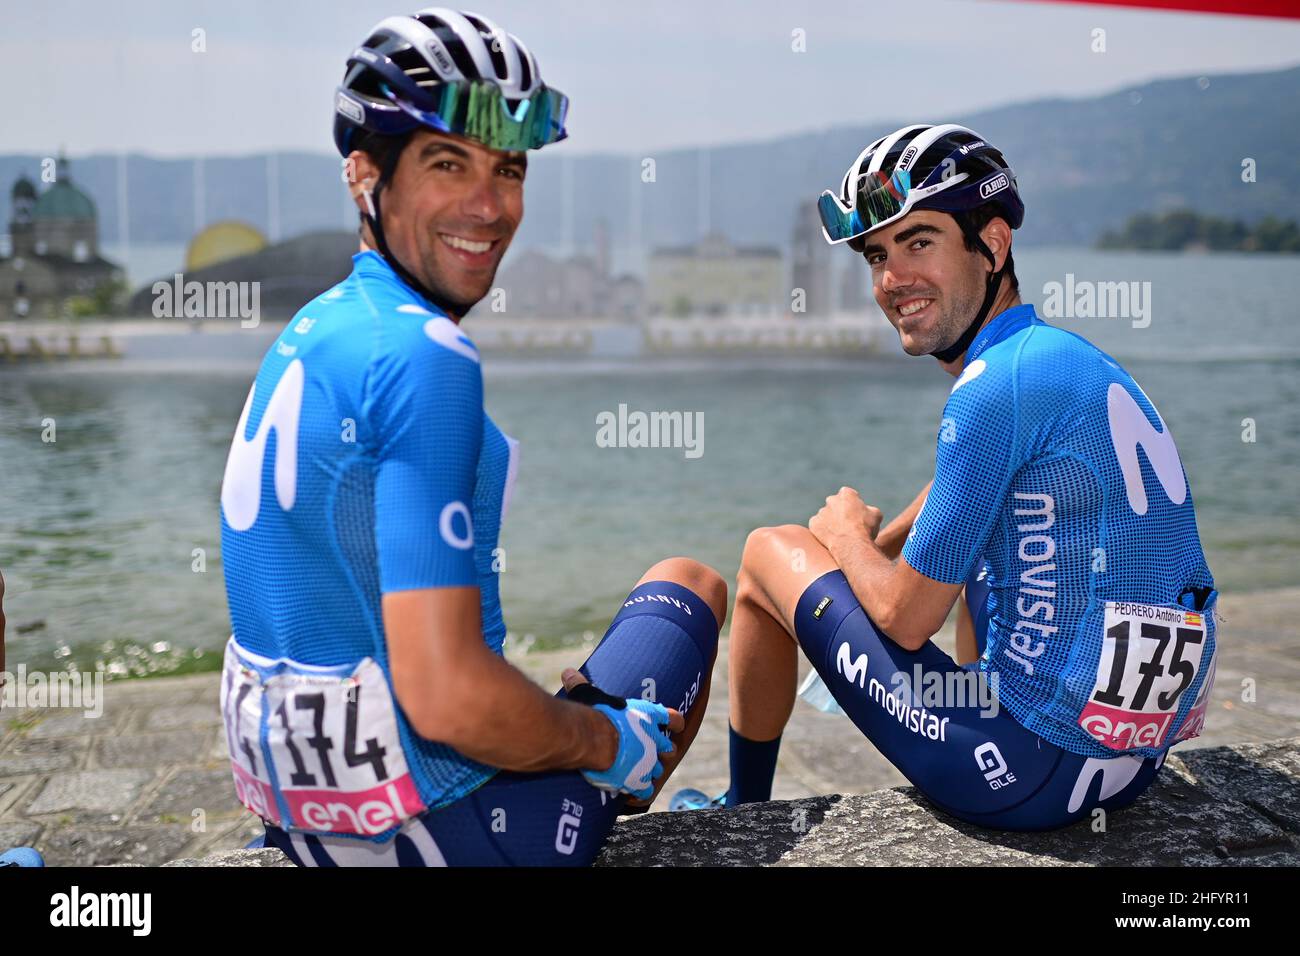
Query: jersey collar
371	263
1003	326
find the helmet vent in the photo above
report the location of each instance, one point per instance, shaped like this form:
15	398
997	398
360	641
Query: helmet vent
452	41
410	62
492	42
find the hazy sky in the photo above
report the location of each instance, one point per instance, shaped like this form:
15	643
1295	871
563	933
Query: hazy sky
92	76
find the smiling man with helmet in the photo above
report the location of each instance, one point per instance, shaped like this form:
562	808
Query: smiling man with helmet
370	716
1059	502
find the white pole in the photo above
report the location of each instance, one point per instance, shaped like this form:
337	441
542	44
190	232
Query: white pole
566	197
706	220
123	208
635	240
200	202
273	197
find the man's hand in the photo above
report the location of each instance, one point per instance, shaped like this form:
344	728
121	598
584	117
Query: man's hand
642	729
845	521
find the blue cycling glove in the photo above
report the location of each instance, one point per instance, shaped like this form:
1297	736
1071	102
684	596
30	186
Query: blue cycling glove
642	735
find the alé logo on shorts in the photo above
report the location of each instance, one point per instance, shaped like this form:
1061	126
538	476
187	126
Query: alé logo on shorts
994	766
1130	428
566	833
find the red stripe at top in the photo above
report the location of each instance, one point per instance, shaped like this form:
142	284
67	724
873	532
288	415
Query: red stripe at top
1286	9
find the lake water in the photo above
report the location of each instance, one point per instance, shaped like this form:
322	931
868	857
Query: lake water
101	530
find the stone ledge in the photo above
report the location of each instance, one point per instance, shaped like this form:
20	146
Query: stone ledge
1235	806
241	858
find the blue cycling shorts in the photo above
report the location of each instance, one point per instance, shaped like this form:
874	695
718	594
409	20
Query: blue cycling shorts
940	725
660	646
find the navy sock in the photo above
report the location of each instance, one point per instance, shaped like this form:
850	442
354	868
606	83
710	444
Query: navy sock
753	765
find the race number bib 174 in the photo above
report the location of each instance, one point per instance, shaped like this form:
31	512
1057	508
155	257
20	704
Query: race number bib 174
316	749
1150	656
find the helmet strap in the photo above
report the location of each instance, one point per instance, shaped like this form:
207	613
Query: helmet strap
992	282
374	219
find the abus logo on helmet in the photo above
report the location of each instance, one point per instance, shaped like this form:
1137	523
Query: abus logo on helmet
351	109
441	58
994	185
908	155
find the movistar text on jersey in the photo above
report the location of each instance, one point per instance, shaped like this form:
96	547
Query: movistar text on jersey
638	429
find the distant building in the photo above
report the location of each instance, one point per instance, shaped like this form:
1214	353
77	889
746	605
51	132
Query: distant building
810	256
287	275
715	277
855	284
538	284
53	249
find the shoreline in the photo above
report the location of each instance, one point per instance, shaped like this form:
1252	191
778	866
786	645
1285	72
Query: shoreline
1270	612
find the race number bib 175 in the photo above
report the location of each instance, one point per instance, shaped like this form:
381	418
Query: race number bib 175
1150	656
316	749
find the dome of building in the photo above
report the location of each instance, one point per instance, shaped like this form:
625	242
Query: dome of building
24	188
228	239
63	201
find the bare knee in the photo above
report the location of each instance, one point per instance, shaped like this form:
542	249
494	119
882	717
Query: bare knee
694	576
783	546
766	549
777	564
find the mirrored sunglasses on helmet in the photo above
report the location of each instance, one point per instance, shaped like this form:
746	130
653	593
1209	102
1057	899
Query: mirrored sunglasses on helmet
879	200
481	112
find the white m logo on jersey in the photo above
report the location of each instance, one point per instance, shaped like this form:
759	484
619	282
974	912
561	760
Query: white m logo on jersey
241	489
1128	429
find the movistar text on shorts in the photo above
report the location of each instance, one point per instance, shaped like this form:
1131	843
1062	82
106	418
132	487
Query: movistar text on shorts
660	429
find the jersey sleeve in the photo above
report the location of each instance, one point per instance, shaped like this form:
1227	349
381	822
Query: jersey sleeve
977	456
425	413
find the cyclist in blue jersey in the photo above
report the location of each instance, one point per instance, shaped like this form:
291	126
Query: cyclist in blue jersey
370	716
1058	502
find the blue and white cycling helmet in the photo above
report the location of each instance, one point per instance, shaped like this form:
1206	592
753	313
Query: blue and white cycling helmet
453	72
947	168
449	71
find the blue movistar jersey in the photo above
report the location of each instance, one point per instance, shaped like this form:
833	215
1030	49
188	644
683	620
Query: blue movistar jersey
1055	467
363	464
